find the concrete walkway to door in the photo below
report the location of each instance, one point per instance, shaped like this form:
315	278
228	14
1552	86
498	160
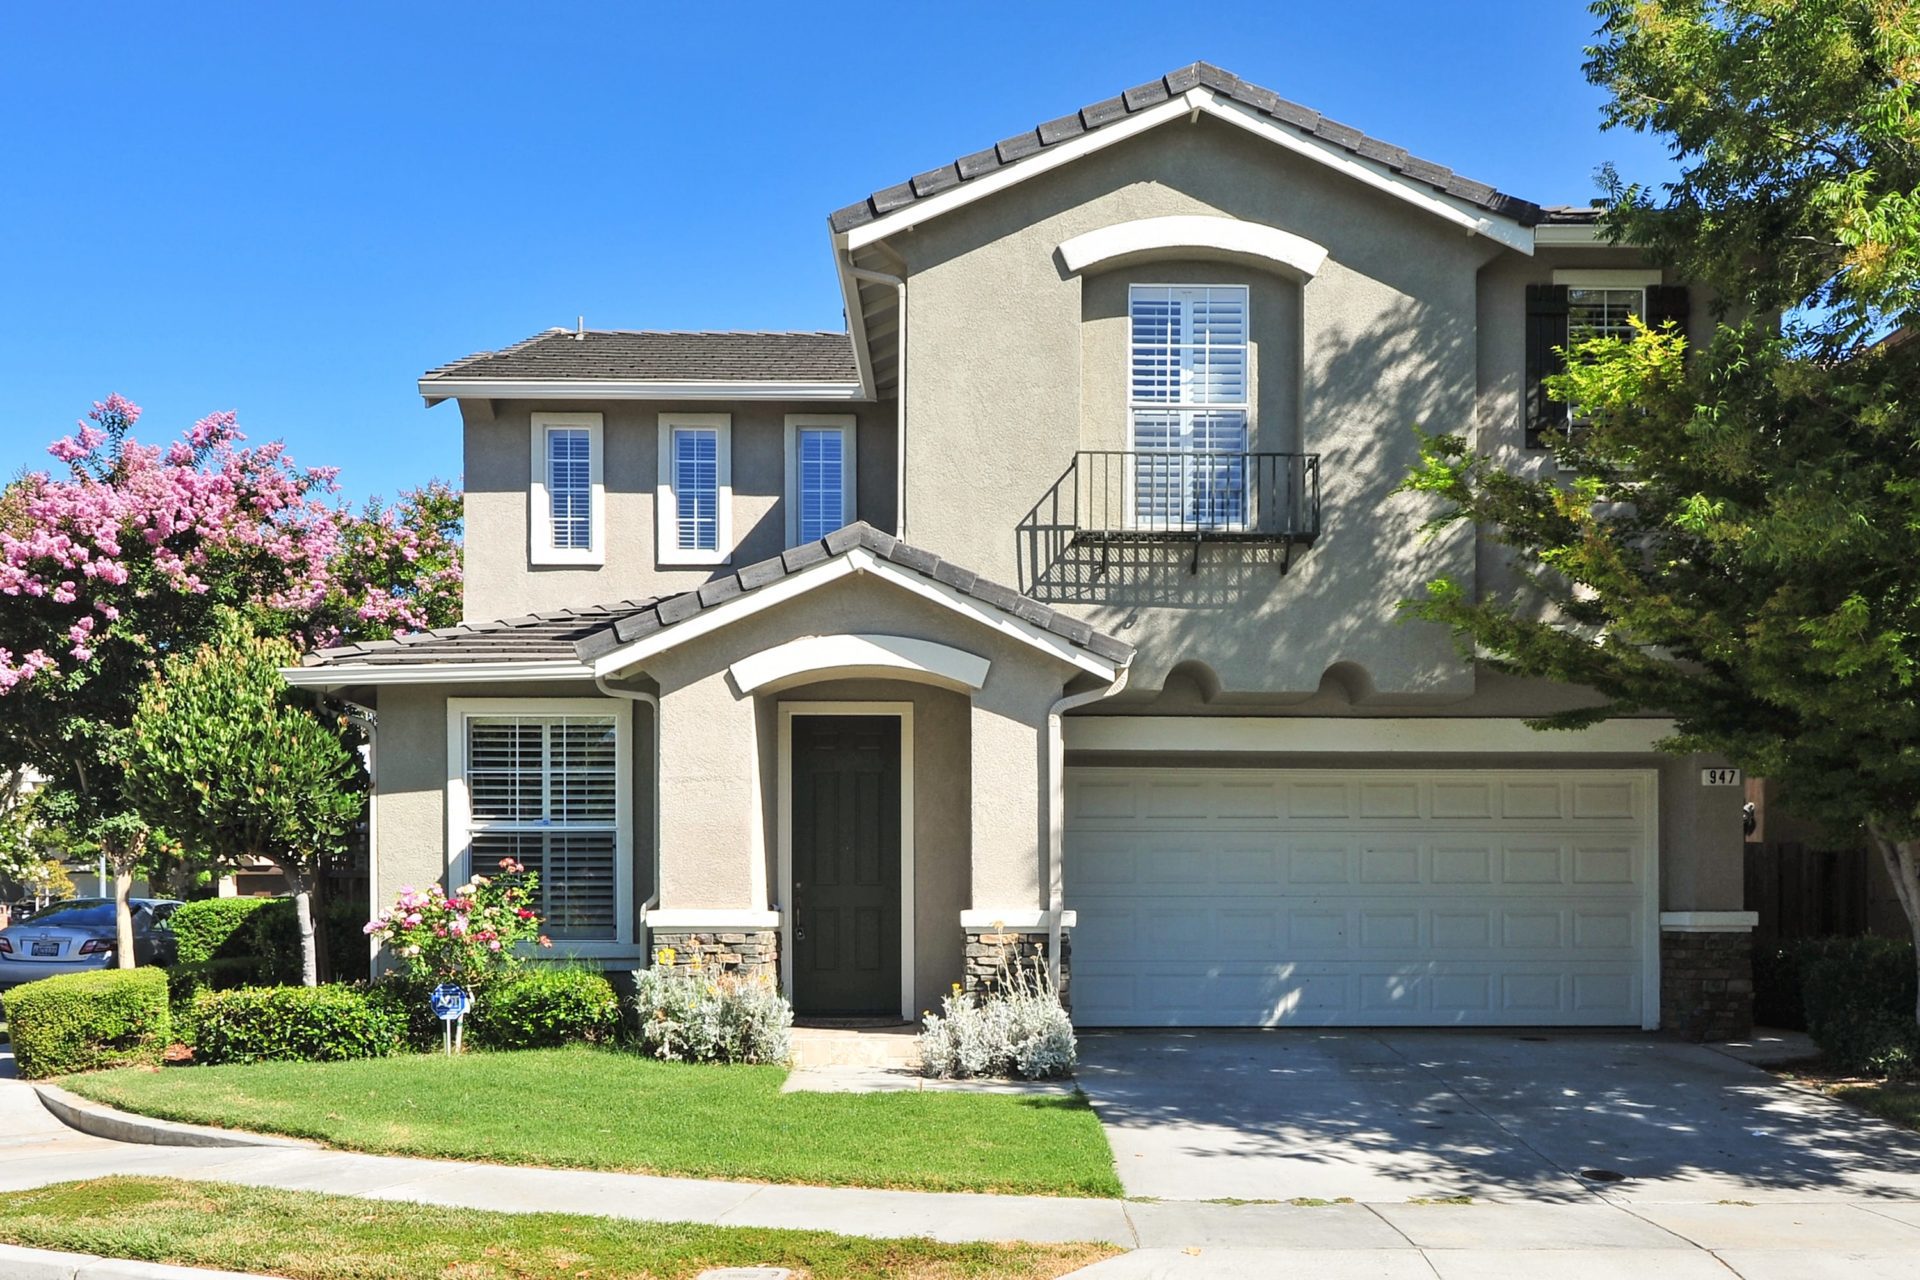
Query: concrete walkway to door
1388	1116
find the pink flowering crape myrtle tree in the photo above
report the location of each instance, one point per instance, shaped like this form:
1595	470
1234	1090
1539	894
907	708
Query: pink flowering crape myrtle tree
121	557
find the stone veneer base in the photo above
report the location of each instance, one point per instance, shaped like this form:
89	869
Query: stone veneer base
991	954
1706	984
746	952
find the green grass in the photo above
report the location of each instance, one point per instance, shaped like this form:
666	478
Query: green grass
584	1108
1890	1100
308	1236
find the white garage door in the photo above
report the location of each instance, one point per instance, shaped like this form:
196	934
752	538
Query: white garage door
1257	897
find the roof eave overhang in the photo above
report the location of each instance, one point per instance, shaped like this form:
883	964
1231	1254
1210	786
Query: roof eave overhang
1192	104
857	561
335	675
1584	234
434	390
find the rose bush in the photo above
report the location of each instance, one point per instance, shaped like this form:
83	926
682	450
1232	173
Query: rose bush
467	936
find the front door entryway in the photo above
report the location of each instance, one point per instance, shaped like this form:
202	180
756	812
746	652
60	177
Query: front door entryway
846	865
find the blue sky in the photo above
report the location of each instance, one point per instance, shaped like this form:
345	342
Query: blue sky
293	210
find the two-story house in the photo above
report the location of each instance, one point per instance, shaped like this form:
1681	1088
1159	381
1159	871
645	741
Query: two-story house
1051	608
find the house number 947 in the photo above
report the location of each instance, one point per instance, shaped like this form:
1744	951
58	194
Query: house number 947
1719	777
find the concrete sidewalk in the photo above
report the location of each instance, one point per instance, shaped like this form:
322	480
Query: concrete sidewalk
1593	1237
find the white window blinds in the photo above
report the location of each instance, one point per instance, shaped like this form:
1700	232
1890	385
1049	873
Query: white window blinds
1189	399
696	488
821	459
543	789
570	487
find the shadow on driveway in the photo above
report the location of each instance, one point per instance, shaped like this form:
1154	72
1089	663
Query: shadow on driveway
1393	1115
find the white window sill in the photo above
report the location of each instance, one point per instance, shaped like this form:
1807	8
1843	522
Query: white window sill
588	559
694	559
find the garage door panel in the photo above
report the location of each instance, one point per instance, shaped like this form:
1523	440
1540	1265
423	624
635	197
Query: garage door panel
1534	912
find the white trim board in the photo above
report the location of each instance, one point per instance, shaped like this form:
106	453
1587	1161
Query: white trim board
1211	235
339	675
1606	277
434	390
1191	105
458	862
900	657
709	918
1709	921
859	560
1323	734
904	711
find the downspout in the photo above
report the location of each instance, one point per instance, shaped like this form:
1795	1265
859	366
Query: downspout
899	284
653	702
1057	811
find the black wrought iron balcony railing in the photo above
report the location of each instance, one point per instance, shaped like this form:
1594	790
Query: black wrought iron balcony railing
1123	497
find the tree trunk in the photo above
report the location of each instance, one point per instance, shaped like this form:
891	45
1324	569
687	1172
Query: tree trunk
123	956
1903	868
300	880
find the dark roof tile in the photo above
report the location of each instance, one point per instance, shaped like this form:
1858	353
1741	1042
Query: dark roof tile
546	637
1225	83
630	355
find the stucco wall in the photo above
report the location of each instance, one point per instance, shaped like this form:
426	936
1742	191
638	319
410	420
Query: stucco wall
501	581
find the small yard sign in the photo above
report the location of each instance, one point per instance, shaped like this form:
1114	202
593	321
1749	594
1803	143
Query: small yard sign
1720	777
450	1004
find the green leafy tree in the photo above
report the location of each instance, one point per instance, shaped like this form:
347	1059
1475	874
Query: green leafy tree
1739	544
223	752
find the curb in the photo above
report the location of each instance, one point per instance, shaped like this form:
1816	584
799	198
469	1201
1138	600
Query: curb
19	1263
120	1126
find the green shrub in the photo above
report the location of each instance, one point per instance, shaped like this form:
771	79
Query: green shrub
404	998
1859	1000
293	1024
223	929
1778	981
545	1006
87	1021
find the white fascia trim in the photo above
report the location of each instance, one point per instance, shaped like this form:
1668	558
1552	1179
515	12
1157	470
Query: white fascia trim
863	655
350	673
709	918
859	560
1194	103
1709	921
1607	277
1319	734
848	426
1581	234
1022	918
540	548
435	390
1194	232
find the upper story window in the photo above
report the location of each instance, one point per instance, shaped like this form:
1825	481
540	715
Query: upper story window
1601	311
820	475
568	504
695	494
1189	398
1582	304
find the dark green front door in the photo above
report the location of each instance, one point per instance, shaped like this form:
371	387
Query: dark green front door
846	866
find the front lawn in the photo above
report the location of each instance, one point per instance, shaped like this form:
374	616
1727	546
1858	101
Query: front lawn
586	1108
309	1236
1891	1100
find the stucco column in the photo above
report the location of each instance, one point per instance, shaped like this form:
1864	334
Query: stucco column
1010	789
712	841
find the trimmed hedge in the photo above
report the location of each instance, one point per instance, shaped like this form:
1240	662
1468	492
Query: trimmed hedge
226	929
294	1024
544	1007
88	1021
1859	999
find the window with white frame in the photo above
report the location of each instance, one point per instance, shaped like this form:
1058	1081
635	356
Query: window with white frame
1603	312
820	475
1189	398
568	509
695	495
545	791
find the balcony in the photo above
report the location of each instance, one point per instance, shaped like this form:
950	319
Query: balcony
1118	519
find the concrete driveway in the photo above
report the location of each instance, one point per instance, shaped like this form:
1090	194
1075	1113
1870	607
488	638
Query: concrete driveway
1389	1116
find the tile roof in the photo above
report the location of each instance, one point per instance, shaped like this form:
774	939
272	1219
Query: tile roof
1570	213
648	355
1140	98
537	637
669	610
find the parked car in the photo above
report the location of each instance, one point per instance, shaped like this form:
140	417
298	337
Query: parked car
78	934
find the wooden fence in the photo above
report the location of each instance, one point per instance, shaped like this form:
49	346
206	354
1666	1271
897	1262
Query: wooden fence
1802	892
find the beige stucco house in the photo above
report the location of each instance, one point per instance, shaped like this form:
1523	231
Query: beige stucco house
1052	607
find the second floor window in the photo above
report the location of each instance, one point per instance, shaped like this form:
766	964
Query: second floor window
568	503
1189	398
820	475
1603	313
695	494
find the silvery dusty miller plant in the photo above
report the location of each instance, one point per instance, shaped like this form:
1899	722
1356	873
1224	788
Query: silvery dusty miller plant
1020	1029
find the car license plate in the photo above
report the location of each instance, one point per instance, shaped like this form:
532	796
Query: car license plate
46	947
